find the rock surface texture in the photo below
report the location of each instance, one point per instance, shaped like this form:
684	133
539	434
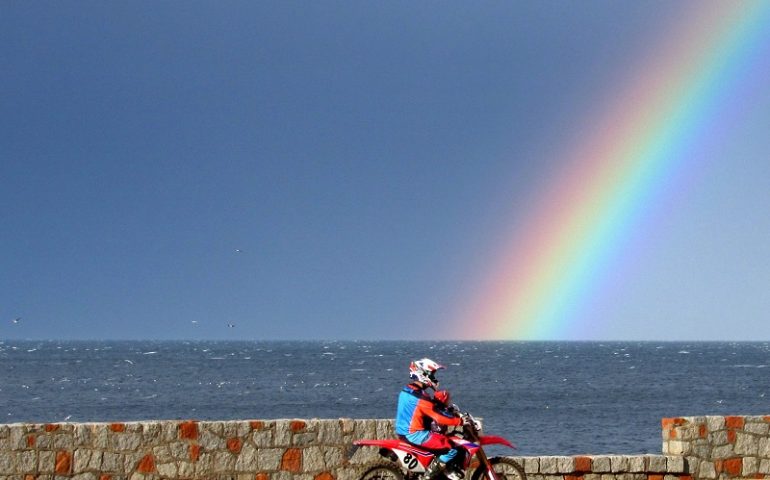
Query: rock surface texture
693	448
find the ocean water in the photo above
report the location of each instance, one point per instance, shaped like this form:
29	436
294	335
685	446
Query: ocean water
547	397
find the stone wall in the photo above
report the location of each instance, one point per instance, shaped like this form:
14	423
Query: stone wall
720	447
694	448
253	450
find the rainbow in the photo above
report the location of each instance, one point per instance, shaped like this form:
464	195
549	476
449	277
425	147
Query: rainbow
643	139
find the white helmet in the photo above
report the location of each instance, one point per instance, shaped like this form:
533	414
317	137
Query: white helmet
424	371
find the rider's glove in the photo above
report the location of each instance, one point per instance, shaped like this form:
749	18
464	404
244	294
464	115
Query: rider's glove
471	422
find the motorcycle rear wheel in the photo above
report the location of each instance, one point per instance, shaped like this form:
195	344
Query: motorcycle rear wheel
382	471
505	468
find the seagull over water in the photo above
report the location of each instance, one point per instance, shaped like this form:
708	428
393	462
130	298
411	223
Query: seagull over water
16	320
231	325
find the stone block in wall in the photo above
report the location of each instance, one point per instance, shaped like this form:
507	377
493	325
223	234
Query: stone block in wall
304	439
124	442
656	464
151	433
167	470
82	435
18	437
314	460
131	461
761	429
618	463
81	459
223	462
601	464
746	444
723	451
706	469
763	447
8	463
549	465
715	423
247	461
262	438
27	461
750	466
674	464
676	447
531	465
329	433
718	438
365	429
113	463
636	464
208	440
185	470
269	459
99	436
46	462
385	429
764	467
334	457
282	433
565	464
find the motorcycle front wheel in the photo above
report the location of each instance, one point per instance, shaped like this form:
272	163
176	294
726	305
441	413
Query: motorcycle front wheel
505	468
382	471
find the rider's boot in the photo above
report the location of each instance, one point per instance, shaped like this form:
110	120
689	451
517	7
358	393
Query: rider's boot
435	467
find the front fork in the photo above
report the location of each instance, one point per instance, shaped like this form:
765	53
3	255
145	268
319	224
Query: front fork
484	460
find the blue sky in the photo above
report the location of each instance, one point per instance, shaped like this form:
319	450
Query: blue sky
318	170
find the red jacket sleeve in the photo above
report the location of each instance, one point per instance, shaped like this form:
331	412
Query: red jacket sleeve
425	409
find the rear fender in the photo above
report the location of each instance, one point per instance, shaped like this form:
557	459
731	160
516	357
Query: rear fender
495	440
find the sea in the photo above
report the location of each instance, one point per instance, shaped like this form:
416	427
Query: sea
549	398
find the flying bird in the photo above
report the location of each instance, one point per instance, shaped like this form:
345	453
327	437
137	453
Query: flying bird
231	325
238	250
16	320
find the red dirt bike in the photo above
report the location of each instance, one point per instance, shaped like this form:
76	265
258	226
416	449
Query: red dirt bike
405	461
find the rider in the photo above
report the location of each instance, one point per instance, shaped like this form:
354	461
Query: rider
416	411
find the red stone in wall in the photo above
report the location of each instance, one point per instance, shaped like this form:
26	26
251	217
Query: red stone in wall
733	466
117	427
731	436
297	426
29	477
146	464
702	431
257	425
234	445
63	462
51	427
324	476
188	430
262	476
734	422
292	460
582	464
30	441
195	452
654	477
105	477
573	477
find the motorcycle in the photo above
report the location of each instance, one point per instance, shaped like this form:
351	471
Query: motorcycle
404	461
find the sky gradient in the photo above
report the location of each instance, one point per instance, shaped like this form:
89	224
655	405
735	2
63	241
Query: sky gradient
360	170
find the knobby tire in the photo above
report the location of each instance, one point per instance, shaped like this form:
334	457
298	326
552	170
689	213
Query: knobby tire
382	471
505	468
